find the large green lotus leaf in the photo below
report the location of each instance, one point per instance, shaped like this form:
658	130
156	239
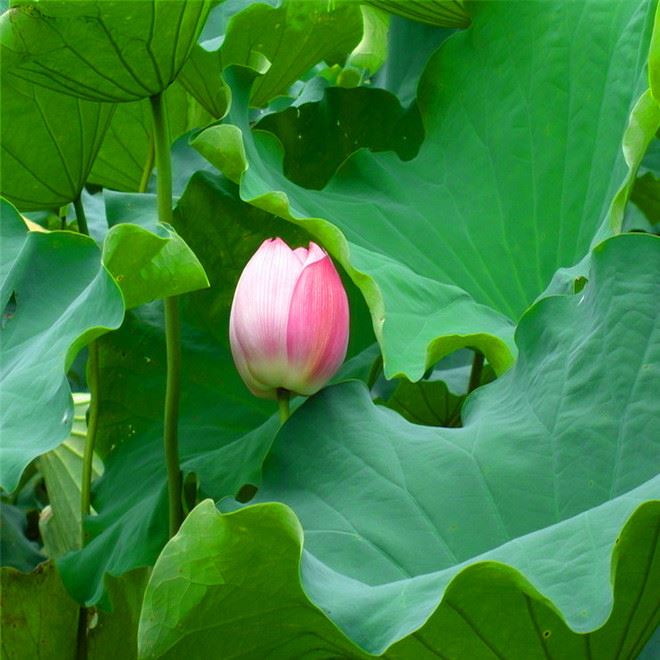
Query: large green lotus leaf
56	297
127	156
207	568
101	50
498	539
511	183
224	431
48	143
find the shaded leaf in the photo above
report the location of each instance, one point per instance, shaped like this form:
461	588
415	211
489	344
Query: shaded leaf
49	142
118	629
40	621
38	618
16	550
345	121
429	403
646	195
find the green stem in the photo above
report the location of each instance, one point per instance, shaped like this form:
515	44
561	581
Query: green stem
375	371
172	322
148	167
163	161
80	216
93	384
171	420
90	441
477	368
283	404
81	637
92	425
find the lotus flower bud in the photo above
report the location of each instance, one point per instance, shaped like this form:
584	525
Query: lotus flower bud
288	326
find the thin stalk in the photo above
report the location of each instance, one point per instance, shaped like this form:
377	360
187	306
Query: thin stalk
81	637
148	167
92	417
171	420
172	322
475	373
92	425
283	404
375	371
80	216
90	441
163	161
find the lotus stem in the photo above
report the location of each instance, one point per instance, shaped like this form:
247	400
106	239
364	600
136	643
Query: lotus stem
172	323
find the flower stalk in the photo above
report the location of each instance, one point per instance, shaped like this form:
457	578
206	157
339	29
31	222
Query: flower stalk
172	323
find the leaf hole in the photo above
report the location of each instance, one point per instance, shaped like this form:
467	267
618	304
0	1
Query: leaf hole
546	634
246	493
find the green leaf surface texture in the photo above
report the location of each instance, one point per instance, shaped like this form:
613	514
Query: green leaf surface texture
101	50
224	431
56	296
48	142
531	532
508	108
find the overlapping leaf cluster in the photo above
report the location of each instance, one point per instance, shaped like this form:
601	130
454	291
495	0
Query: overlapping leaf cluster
471	169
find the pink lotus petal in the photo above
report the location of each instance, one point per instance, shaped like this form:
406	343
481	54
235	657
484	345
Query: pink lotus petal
288	326
317	332
259	312
301	253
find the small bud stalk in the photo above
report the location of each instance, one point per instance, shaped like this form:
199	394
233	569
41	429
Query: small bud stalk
289	322
283	404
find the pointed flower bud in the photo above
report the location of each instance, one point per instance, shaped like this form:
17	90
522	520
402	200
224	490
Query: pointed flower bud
288	326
